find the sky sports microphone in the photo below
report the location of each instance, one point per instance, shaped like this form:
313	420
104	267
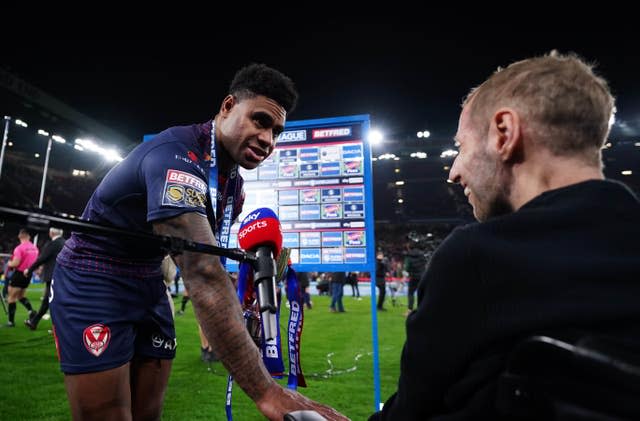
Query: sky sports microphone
260	233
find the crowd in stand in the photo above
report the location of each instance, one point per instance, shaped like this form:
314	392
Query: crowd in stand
22	181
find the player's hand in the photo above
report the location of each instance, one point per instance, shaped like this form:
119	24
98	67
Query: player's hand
278	401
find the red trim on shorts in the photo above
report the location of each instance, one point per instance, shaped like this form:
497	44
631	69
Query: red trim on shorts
55	338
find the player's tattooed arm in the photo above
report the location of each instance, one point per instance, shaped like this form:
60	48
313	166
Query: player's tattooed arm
216	304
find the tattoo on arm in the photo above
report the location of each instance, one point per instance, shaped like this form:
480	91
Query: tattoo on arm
216	304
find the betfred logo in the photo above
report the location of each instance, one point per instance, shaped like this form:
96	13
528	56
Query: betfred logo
186	179
96	338
333	132
257	225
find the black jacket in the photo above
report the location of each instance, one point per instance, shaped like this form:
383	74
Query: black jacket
48	258
414	263
567	260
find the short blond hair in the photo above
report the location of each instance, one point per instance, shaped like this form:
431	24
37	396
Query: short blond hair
568	108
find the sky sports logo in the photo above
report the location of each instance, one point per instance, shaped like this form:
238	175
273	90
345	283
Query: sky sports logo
251	217
251	228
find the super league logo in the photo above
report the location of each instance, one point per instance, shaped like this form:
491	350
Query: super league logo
96	338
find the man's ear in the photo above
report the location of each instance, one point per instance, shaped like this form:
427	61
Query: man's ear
227	104
506	131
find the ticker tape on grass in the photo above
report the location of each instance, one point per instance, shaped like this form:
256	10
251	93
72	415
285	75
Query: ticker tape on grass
328	373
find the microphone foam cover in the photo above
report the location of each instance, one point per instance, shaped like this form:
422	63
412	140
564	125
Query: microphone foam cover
261	227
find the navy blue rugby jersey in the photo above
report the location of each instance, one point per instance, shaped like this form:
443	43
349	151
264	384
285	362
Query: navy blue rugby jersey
159	179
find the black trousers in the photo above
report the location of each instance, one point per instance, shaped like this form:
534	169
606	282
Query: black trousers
413	286
44	304
382	290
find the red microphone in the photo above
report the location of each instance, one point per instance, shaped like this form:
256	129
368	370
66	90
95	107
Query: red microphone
260	233
261	227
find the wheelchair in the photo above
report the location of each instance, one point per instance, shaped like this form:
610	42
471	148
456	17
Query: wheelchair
594	378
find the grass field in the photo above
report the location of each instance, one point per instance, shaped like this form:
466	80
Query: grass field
336	360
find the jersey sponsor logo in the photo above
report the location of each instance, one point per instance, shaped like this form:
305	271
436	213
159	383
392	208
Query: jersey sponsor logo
184	190
192	156
186	179
175	193
96	338
195	198
192	160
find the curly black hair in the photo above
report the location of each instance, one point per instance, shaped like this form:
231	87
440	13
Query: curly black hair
260	79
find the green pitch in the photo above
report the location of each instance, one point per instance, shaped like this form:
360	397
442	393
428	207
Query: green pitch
336	360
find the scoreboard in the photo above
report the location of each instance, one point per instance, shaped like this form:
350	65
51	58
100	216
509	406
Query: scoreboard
318	181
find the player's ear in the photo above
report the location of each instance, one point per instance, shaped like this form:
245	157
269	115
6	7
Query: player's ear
227	104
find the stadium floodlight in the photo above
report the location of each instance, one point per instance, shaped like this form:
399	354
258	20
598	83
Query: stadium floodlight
5	136
58	138
423	134
448	153
627	172
111	155
43	132
400	183
87	144
375	137
44	173
21	123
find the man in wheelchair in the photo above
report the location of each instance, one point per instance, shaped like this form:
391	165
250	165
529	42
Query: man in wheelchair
556	249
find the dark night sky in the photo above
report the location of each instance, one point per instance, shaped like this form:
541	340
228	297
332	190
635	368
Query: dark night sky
406	77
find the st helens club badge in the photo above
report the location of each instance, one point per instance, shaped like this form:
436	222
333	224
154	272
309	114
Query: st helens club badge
96	338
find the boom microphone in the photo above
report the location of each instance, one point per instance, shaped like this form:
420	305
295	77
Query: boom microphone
260	233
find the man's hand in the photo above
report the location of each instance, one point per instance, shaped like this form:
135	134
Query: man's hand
278	401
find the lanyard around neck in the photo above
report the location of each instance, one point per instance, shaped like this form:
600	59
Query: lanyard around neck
221	230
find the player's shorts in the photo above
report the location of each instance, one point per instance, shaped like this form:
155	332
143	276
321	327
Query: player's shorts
18	280
101	321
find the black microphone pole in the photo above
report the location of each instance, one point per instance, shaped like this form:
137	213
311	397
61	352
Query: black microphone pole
41	222
265	280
